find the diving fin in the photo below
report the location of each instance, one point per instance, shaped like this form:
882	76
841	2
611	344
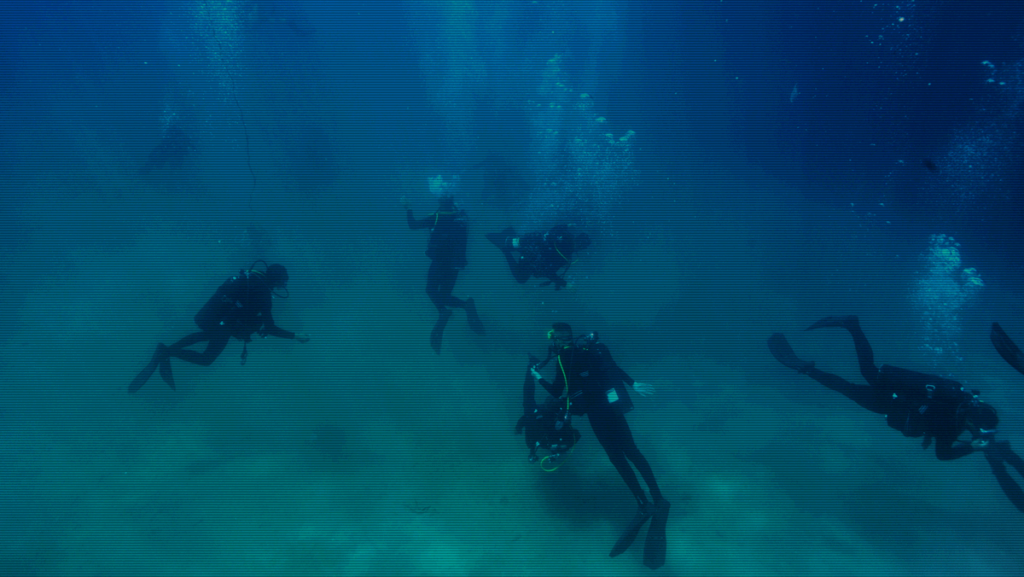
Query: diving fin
780	349
642	515
158	356
1007	348
165	372
654	548
474	319
438	332
499	239
844	321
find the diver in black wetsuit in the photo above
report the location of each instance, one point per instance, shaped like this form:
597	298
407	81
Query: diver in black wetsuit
587	381
540	254
447	252
170	152
915	404
240	307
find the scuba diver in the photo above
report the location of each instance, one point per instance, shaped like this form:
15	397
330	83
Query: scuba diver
174	146
240	307
500	179
447	252
540	254
587	381
916	404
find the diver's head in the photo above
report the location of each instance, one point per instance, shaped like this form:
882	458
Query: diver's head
980	417
277	276
561	336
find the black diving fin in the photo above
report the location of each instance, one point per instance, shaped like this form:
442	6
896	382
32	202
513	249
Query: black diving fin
654	548
159	356
1007	348
498	239
642	515
438	332
165	372
840	321
474	319
780	349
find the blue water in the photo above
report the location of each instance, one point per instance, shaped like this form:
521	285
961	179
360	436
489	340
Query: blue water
743	168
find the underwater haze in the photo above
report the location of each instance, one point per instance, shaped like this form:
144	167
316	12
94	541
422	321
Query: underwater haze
741	167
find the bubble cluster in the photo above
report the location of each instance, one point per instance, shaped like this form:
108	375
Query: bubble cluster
219	29
582	168
940	295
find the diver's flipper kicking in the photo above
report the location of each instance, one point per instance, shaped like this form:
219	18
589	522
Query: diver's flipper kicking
501	239
165	372
654	548
1006	348
780	349
998	454
626	540
475	324
160	360
841	321
438	332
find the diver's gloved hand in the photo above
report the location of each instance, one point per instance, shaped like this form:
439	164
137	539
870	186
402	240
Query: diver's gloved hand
302	337
643	389
536	374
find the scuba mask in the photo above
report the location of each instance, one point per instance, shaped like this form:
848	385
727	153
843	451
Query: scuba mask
560	340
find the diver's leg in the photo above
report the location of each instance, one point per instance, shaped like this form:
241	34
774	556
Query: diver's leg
191	339
434	283
632	452
503	240
865	356
871	398
607	434
448	278
217	341
159	356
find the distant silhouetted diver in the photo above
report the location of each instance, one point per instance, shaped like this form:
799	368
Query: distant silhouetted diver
171	150
498	176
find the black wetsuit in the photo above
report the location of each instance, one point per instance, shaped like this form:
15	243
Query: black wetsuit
171	152
540	254
597	387
239	308
447	252
916	404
